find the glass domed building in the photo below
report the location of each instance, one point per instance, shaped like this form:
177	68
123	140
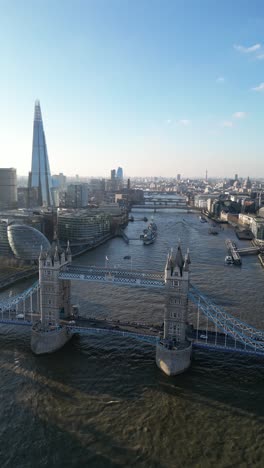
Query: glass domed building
26	241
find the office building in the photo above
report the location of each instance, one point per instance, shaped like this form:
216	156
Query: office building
82	227
77	196
119	173
26	241
39	182
8	188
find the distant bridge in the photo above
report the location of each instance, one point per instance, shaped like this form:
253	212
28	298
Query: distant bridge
162	206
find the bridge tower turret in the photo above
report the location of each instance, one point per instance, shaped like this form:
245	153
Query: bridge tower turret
55	294
55	301
173	352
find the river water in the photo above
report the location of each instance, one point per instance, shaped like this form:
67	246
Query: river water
102	402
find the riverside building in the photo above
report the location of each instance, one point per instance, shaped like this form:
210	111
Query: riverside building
83	228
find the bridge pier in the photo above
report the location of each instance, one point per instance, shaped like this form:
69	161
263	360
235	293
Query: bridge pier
173	351
48	335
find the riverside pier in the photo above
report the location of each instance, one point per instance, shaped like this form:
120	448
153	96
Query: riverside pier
233	251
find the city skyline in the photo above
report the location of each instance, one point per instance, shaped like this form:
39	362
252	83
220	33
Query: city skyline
158	88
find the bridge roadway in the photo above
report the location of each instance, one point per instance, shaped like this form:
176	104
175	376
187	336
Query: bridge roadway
237	330
203	339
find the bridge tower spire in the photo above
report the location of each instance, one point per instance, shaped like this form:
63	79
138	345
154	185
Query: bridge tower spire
55	301
173	351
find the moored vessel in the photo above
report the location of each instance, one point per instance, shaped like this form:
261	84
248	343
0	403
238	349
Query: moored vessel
229	260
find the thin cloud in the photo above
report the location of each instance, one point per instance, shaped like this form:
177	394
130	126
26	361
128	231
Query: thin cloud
184	122
227	124
239	115
220	79
260	57
168	121
259	88
247	50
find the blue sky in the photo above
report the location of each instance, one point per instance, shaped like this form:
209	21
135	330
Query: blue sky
159	87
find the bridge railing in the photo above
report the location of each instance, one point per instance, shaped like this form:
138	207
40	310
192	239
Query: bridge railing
106	331
150	274
230	325
12	301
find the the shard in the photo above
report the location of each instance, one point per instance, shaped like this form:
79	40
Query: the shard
39	182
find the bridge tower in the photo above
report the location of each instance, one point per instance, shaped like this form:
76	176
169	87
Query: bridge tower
55	301
173	351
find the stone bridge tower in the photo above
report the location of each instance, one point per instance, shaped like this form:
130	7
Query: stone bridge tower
55	294
173	352
55	301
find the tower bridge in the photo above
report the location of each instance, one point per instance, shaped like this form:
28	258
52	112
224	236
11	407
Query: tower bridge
46	308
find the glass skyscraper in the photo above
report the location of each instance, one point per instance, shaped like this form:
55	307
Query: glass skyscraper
119	173
39	181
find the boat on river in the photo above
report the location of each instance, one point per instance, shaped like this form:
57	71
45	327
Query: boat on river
229	260
149	235
149	238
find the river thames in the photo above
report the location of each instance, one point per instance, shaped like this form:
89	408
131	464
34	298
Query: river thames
102	402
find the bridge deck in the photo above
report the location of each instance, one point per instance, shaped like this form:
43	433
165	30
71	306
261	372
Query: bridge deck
214	341
234	333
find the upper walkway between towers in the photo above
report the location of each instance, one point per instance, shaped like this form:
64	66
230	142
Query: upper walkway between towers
133	277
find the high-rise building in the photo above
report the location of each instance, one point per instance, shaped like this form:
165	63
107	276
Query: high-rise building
178	177
59	180
119	173
8	188
39	177
77	196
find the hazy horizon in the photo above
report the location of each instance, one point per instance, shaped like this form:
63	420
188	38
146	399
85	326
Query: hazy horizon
149	176
157	87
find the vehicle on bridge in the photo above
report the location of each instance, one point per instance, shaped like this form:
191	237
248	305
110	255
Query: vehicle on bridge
20	316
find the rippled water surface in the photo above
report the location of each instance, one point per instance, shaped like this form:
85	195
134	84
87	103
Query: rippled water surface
101	402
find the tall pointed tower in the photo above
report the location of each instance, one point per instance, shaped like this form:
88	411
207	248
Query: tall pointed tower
39	177
173	352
